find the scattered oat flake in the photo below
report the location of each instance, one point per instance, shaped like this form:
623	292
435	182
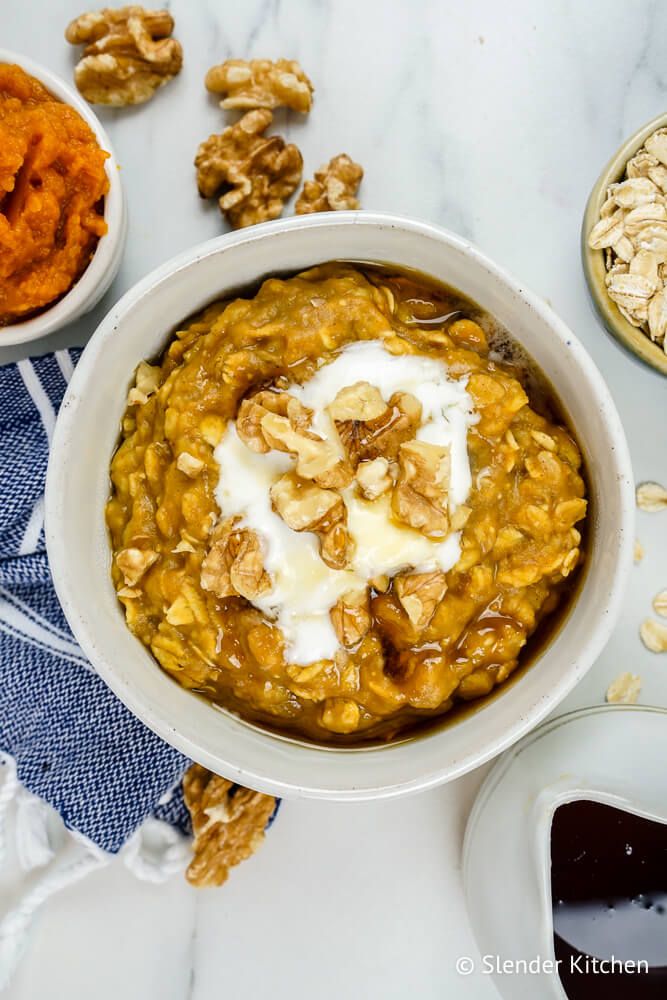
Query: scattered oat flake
638	553
651	497
624	690
654	635
660	603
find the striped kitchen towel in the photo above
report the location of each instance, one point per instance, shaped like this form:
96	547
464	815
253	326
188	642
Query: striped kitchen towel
66	742
73	743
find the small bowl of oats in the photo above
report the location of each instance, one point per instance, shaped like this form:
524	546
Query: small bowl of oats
624	244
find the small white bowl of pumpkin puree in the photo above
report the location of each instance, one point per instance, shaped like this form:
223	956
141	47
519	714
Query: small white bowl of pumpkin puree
62	209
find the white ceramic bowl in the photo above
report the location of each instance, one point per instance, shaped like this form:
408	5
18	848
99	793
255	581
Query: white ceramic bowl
102	269
78	485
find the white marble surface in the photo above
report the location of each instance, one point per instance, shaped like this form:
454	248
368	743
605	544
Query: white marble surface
494	121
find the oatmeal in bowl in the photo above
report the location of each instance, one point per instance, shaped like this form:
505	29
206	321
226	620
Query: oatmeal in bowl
336	509
350	500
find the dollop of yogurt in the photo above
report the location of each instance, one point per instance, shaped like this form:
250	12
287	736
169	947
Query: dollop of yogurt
304	588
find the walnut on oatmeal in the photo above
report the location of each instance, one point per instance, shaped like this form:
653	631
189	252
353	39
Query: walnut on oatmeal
250	173
421	495
134	562
253	409
351	617
261	83
333	188
233	565
374	478
129	53
228	824
305	506
316	458
381	436
420	594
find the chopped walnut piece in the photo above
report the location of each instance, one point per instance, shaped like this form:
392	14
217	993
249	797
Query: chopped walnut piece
233	565
254	408
228	823
420	594
261	83
146	382
335	187
134	562
351	617
374	478
189	465
129	54
301	504
335	545
252	173
420	497
304	506
624	689
361	401
147	378
381	436
316	458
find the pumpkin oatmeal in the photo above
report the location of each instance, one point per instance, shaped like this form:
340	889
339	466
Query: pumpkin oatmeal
52	184
342	504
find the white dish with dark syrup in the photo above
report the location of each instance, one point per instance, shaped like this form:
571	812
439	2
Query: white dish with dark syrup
582	902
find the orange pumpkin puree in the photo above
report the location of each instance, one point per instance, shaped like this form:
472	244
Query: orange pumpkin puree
52	185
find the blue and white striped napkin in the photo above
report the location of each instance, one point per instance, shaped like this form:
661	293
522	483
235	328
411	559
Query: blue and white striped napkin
74	744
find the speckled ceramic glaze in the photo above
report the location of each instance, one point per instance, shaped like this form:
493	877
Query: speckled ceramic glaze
139	326
593	260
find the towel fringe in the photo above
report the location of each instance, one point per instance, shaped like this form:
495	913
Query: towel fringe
154	853
79	858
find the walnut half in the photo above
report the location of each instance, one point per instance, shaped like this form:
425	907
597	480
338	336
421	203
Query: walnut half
420	497
252	174
253	409
233	565
304	506
334	188
420	594
261	83
228	824
129	54
351	617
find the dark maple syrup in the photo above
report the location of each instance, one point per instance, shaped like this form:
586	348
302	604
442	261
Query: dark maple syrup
609	898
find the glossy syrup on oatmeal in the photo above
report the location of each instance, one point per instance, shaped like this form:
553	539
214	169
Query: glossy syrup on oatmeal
498	609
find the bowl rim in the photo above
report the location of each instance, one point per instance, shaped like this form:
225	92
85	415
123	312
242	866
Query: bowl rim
220	761
103	267
627	335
